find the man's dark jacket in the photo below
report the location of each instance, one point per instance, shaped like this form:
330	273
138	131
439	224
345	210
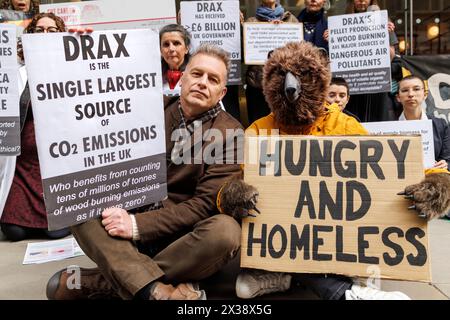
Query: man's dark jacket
192	188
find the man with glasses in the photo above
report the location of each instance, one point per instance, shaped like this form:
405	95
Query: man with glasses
412	95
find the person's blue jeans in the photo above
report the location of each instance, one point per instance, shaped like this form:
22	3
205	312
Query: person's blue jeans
327	287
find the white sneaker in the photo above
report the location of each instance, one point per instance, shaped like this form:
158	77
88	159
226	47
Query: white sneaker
253	283
367	293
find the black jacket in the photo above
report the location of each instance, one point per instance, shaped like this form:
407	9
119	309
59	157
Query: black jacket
24	105
441	137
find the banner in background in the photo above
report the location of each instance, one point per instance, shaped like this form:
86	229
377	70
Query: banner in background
115	14
435	69
99	121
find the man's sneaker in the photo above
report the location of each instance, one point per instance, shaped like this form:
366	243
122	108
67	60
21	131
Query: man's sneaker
367	293
79	283
253	283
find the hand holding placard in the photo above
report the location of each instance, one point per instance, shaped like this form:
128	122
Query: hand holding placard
98	144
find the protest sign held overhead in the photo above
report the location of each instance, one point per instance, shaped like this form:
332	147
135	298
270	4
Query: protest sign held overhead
340	211
261	37
18	18
98	110
9	92
410	127
217	23
113	14
359	51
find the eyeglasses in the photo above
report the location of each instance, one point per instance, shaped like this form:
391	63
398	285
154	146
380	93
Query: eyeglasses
47	29
414	89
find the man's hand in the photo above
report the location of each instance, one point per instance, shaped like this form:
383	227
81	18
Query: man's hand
391	26
241	17
117	223
326	35
442	164
80	30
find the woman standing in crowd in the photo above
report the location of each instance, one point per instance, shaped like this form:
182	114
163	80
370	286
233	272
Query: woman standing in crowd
411	95
357	6
315	24
175	42
268	11
24	214
31	6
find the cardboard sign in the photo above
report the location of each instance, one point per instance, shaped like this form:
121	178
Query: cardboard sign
9	92
217	23
99	121
413	127
359	51
115	14
262	37
330	205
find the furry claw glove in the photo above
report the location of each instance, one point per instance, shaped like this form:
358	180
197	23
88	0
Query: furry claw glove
431	196
238	199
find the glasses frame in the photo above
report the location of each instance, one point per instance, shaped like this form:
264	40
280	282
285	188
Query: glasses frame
45	29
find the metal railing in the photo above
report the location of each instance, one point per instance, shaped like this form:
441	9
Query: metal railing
409	41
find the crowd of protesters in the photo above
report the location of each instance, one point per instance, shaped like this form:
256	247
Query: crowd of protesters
163	276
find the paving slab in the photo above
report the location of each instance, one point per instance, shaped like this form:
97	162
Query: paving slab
27	282
439	231
414	290
444	288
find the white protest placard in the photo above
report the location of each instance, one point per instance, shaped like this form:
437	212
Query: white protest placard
217	23
262	37
9	92
359	51
410	127
99	121
115	14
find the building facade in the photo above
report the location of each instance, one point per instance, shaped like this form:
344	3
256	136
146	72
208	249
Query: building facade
422	26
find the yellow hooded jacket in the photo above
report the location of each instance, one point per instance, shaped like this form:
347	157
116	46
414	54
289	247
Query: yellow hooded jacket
333	122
